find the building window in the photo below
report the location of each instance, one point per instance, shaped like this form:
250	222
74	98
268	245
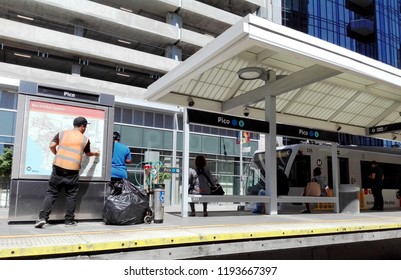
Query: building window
127	116
8	100
138	117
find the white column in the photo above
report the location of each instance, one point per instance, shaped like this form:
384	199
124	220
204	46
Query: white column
334	163
173	198
270	154
185	166
241	171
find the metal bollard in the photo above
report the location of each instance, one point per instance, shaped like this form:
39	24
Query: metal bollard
158	203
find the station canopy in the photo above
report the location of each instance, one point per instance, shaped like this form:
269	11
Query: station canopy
316	84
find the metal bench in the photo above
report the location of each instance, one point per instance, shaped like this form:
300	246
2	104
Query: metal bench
197	198
260	198
306	199
228	198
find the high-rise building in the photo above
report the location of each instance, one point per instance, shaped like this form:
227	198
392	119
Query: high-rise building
368	27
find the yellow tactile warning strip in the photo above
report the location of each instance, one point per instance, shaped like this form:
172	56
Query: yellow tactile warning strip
77	242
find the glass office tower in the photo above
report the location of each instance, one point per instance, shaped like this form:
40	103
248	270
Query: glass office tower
368	27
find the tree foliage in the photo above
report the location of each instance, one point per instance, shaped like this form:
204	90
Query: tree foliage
6	163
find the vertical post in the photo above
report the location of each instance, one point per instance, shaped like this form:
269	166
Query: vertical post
335	176
185	166
270	154
241	171
173	198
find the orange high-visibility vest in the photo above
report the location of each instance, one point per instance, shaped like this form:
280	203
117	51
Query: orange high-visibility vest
70	149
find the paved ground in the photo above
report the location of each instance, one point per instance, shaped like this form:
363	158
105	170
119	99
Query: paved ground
224	225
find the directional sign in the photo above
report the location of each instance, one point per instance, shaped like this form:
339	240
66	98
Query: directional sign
227	121
306	133
385	128
170	169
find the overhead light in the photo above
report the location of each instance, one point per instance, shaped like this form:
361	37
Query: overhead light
252	73
126	10
22	55
122	74
24	17
124	42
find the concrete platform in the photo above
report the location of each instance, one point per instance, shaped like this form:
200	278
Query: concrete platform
225	233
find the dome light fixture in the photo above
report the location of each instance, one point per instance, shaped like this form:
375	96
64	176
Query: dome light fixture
252	73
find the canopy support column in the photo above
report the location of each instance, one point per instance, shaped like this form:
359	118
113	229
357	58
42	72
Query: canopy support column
270	154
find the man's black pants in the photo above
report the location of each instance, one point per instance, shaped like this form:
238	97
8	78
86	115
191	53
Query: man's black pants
58	181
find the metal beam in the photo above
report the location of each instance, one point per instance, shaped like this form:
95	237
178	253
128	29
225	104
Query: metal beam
384	114
296	80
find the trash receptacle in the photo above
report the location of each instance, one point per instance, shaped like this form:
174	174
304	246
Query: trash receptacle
158	203
349	198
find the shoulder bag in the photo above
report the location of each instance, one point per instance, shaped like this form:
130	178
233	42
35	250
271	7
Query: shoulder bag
215	189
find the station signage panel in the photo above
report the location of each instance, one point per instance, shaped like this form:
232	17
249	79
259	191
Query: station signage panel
227	121
67	94
306	133
239	123
385	128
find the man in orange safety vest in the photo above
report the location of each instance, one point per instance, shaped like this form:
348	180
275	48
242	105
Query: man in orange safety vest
68	146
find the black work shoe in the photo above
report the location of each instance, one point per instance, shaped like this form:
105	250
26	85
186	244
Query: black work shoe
70	224
40	223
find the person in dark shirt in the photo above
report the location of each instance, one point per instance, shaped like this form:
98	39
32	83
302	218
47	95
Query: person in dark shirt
282	189
376	185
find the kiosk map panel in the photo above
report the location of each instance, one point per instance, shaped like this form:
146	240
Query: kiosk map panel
45	120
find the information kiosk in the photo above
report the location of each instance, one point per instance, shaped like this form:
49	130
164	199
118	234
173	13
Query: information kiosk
43	111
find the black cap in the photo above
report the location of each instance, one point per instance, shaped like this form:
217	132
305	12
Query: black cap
80	121
116	135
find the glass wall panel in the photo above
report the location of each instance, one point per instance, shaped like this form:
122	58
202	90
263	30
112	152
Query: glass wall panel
168	140
210	144
153	139
195	143
132	136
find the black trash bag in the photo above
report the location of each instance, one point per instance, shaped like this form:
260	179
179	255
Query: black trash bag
126	204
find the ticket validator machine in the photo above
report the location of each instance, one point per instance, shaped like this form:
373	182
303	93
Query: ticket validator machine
43	111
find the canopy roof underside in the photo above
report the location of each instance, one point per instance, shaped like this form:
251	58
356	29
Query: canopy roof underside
316	84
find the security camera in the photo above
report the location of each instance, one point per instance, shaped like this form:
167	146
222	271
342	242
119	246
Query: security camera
191	102
246	112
